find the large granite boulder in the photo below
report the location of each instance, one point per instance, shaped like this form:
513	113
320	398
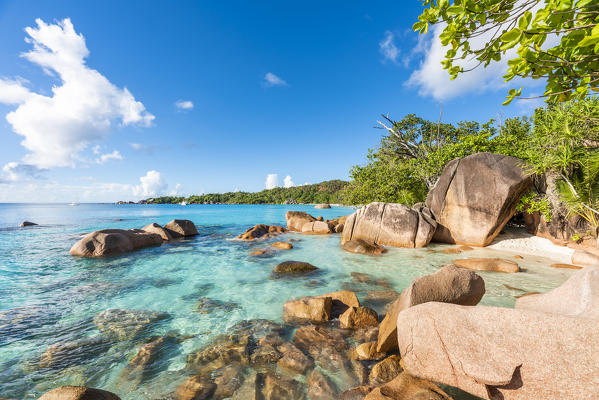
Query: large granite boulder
577	297
262	231
108	242
297	219
582	257
181	228
390	224
157	229
78	393
476	196
450	284
501	353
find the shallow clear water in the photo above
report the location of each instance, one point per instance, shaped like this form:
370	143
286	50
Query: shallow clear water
49	297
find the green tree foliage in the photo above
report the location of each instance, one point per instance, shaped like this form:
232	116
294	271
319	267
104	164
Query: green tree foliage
571	68
324	192
414	152
565	141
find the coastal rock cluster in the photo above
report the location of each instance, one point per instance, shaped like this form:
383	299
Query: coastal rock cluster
108	242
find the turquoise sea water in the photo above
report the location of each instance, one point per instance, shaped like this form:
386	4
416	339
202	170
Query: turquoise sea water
48	297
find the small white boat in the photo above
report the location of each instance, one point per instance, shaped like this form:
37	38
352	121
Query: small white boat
73	204
183	203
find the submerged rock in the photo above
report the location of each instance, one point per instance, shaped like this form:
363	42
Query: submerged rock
206	305
75	352
361	246
357	393
78	393
450	285
293	359
320	387
157	229
297	219
488	264
114	241
390	224
228	380
198	387
126	324
294	267
282	245
178	228
476	196
262	231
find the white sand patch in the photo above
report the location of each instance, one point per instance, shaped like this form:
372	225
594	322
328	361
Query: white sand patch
526	243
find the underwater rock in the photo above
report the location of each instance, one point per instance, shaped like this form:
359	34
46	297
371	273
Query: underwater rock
228	380
366	352
197	387
342	300
226	349
65	354
294	267
78	393
293	359
124	324
206	305
488	264
357	393
320	387
282	245
407	387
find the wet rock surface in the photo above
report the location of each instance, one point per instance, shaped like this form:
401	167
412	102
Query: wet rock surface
109	242
361	246
207	305
308	309
78	393
293	268
262	231
178	228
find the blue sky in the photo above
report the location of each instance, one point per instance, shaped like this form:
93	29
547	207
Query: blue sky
262	87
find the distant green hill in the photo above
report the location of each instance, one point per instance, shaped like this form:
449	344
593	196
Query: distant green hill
323	192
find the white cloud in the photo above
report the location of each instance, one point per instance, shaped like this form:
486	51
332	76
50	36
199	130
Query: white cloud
175	191
96	149
388	48
184	104
115	155
272	181
271	79
236	190
151	184
434	81
288	182
16	172
144	148
80	111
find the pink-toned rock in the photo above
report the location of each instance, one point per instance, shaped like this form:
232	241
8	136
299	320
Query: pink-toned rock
78	393
384	371
501	353
488	264
581	257
155	228
407	387
577	297
390	224
297	219
318	228
307	309
366	352
450	284
109	242
476	196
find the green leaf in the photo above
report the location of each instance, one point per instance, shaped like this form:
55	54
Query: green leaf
454	10
511	36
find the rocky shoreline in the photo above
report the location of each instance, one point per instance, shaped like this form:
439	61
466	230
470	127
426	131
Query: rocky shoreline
431	341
